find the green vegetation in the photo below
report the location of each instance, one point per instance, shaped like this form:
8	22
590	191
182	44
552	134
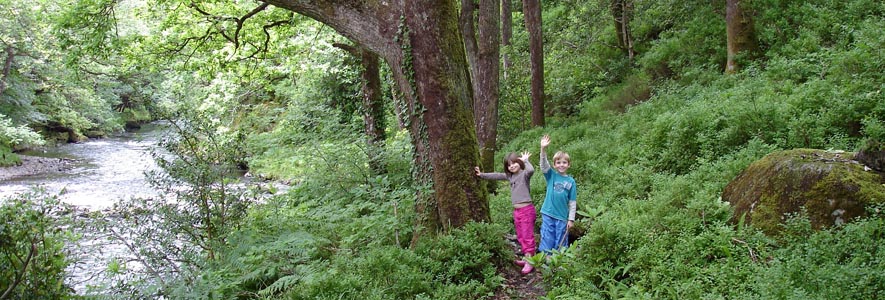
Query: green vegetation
33	236
653	142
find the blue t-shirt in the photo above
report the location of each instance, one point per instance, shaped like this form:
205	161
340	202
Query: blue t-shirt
560	190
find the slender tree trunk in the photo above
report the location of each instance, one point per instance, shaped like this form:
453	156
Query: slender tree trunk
622	12
468	33
7	67
372	108
487	81
532	11
740	34
506	32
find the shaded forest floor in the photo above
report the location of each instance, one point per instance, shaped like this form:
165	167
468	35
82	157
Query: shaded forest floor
516	285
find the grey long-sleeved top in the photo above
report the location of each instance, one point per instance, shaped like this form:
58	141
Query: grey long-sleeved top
519	183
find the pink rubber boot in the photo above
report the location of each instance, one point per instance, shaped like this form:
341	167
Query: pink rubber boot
527	268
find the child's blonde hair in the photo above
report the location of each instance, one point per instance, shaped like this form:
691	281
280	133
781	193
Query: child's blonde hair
561	155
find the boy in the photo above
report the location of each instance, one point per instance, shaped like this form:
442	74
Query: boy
558	210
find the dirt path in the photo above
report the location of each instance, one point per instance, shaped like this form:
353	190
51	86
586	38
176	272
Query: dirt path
516	285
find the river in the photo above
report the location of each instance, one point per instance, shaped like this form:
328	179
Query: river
102	171
99	173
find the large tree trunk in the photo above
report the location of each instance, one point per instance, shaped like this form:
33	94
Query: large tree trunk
622	12
443	88
487	71
741	36
421	42
506	32
532	11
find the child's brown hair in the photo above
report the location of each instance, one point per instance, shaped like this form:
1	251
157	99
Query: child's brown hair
511	158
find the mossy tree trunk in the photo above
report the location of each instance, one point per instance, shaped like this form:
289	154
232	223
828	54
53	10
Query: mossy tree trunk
488	81
421	42
373	109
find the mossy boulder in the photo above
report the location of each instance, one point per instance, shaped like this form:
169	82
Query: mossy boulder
831	187
872	154
96	134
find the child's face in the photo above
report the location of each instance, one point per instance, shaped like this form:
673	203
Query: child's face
514	167
561	165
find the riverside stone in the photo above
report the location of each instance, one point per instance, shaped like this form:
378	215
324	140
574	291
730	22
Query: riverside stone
35	165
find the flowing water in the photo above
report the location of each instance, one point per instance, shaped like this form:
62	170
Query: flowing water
100	173
102	170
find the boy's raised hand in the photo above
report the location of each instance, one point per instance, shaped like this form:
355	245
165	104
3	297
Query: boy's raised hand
476	169
545	141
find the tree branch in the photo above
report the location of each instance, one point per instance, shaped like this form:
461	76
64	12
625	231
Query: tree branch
350	49
266	44
21	273
242	20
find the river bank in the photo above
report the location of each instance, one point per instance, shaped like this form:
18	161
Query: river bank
35	165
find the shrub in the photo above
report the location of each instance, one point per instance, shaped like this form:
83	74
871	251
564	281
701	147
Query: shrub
12	136
837	263
32	240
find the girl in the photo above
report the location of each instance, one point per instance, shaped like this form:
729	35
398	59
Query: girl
518	170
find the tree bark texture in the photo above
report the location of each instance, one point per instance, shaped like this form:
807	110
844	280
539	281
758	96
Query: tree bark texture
740	33
483	54
421	42
532	11
487	78
468	32
443	88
